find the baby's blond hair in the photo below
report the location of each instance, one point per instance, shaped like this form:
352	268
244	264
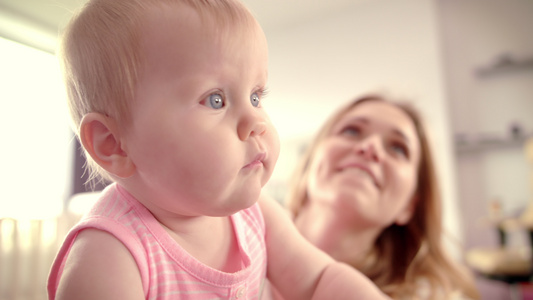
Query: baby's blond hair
101	54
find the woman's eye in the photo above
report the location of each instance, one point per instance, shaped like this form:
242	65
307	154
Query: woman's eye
255	100
350	131
400	149
215	101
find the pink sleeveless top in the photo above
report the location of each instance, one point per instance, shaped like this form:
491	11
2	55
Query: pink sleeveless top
167	270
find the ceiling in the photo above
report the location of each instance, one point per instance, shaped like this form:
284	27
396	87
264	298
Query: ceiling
37	22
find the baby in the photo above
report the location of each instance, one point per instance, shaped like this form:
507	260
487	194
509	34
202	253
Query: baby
165	96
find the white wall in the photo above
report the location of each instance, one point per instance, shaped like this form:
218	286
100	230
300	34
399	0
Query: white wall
475	34
384	45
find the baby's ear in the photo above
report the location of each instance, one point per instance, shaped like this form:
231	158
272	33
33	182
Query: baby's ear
100	137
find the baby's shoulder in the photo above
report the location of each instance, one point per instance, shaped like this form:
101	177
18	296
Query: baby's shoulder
94	253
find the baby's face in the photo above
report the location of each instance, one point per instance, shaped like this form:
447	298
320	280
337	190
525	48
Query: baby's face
201	142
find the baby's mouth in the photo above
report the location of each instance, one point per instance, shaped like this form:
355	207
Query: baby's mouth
258	160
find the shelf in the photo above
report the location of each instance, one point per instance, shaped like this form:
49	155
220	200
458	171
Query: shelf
506	64
490	143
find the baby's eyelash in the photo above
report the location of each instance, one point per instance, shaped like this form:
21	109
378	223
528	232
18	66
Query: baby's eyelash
263	92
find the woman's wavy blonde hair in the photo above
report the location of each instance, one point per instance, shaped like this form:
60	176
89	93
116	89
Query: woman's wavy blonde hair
402	255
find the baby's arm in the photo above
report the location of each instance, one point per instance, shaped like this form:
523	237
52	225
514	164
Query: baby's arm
298	270
99	267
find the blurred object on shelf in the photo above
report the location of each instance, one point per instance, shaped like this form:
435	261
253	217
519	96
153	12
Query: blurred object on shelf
508	262
505	63
514	136
516	129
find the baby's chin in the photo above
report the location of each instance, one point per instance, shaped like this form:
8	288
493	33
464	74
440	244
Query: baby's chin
237	203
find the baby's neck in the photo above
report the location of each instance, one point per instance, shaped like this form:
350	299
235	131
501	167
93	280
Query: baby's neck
211	240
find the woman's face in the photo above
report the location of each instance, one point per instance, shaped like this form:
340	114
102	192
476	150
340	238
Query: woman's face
366	167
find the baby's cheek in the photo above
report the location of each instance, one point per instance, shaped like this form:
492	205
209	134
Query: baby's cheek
275	145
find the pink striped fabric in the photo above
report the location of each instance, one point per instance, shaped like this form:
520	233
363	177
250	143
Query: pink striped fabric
167	270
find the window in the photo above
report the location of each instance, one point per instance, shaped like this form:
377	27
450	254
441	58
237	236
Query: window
36	149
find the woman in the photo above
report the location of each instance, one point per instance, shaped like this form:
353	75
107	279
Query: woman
366	193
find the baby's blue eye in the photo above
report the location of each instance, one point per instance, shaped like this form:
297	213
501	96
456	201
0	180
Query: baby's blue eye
215	101
254	98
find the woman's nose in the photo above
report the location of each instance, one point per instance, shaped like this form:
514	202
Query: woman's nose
251	124
369	149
